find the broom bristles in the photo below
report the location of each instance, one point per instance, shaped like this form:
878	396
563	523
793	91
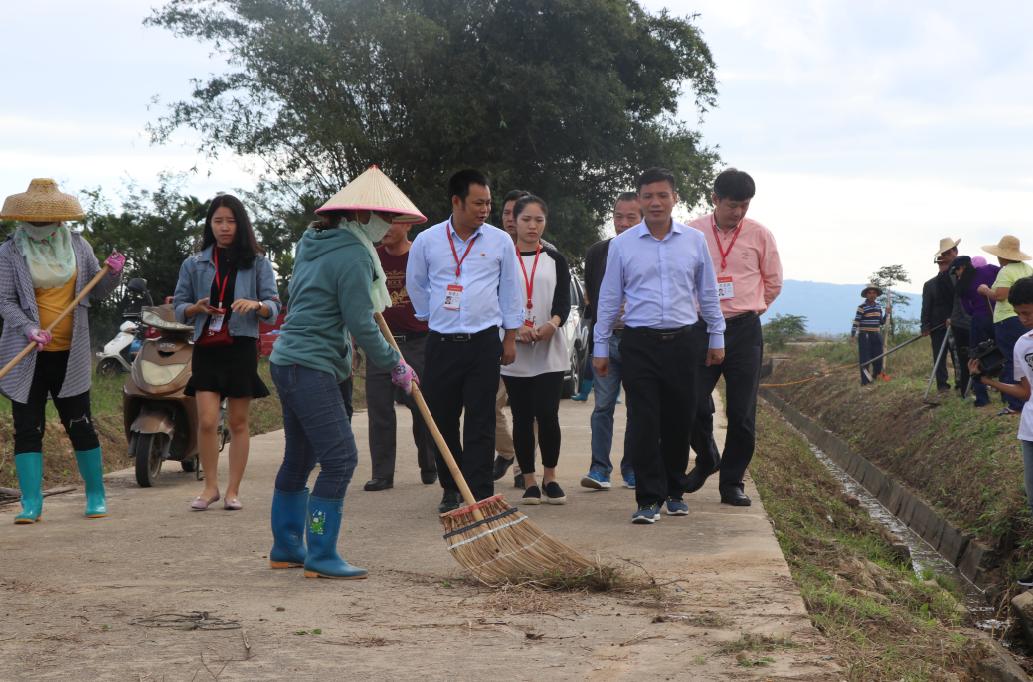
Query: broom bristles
505	545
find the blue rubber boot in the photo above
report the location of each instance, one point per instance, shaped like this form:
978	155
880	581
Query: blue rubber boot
30	482
91	468
586	390
324	524
288	521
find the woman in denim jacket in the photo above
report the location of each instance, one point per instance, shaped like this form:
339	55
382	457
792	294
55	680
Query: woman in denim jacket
223	290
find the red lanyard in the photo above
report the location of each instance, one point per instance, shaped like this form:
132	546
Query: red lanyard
717	238
225	280
529	283
469	245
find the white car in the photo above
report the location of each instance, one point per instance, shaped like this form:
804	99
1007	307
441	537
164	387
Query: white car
576	329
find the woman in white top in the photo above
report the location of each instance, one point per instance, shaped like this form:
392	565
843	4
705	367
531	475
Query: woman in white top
535	380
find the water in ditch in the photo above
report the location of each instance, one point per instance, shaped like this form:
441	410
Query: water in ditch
924	558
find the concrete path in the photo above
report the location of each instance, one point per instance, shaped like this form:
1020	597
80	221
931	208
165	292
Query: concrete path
79	598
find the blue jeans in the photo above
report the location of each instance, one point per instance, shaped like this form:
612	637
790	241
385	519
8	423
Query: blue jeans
316	430
1027	466
607	389
1006	333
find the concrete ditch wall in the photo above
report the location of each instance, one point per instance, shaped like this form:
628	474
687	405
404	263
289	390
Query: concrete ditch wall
971	557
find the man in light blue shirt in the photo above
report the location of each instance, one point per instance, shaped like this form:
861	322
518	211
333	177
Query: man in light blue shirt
463	278
662	271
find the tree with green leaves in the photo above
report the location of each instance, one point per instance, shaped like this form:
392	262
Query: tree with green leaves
886	278
782	329
569	99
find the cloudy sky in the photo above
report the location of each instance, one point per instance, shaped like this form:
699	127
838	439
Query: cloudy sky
872	129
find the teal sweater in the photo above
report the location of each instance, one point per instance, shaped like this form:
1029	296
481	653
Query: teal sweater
329	303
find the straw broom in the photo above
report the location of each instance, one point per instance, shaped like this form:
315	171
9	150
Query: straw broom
496	542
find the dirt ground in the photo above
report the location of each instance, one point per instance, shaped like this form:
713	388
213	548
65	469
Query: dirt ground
79	599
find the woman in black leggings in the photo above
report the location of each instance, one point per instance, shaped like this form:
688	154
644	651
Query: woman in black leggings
535	380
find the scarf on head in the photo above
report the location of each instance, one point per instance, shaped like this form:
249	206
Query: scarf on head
48	250
378	292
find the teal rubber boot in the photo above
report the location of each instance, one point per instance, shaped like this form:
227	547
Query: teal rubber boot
288	522
30	482
324	524
586	390
91	468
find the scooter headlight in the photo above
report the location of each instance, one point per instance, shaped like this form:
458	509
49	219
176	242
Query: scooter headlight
159	375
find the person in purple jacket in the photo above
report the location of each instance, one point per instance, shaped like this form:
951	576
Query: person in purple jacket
971	273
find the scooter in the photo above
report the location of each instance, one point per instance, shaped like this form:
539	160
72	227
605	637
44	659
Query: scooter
160	419
118	353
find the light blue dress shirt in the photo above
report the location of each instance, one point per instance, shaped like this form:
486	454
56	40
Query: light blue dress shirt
490	277
661	282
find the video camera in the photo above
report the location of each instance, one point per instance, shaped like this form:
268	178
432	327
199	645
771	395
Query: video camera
990	357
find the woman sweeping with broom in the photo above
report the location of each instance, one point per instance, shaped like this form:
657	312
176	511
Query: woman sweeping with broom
336	286
45	270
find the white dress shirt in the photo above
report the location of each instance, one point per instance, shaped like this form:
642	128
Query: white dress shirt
489	274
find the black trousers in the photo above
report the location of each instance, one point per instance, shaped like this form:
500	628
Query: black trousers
659	385
744	351
535	400
30	417
869	345
462	378
959	356
380	408
936	339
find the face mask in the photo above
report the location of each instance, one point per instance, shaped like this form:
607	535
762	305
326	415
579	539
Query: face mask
376	228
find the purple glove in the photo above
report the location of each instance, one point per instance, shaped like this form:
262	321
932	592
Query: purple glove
404	377
40	337
115	262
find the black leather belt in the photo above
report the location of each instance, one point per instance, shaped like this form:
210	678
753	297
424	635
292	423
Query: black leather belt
412	336
662	335
741	317
617	331
463	338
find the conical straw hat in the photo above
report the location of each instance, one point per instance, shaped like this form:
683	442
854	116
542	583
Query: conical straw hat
374	191
42	203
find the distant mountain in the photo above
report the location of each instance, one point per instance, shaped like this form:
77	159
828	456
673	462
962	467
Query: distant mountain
829	308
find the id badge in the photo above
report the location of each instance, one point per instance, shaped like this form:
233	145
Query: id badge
217	319
725	287
453	296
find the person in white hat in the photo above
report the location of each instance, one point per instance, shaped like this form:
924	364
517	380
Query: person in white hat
867	327
937	307
336	286
43	267
1007	328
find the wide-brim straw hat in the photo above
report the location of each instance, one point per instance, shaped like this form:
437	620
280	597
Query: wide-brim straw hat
946	244
374	191
864	292
43	202
1007	248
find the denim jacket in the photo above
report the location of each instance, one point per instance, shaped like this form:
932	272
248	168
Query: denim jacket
257	283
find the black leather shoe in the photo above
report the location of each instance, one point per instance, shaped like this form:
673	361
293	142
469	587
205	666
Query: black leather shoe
378	484
501	466
518	482
733	494
450	500
428	477
695	479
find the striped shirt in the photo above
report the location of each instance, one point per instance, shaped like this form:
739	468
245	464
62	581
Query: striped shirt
869	317
20	312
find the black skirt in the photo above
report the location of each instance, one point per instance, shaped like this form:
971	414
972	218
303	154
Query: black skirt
231	371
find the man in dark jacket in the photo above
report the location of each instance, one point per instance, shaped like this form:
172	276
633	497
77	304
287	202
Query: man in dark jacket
938	306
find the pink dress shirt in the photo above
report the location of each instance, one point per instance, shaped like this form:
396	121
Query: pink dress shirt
753	264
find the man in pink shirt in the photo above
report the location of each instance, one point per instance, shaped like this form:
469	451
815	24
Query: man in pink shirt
749	278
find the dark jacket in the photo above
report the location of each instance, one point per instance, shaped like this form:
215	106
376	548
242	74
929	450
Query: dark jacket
937	301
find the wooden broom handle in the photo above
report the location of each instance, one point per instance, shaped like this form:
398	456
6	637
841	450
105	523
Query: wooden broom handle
64	313
439	440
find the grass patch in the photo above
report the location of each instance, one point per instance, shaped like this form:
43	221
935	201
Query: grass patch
963	461
884	622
